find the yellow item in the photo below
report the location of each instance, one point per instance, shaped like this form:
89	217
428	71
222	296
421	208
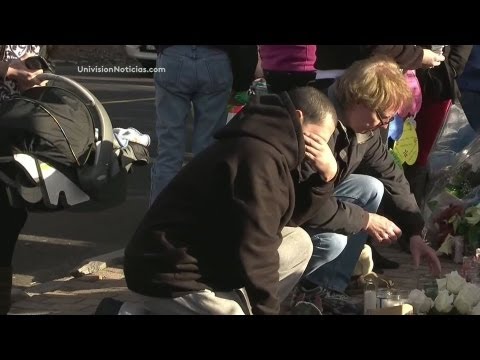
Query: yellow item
406	148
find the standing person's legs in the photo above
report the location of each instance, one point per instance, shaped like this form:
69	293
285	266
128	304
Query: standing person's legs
278	81
327	269
214	78
173	89
13	221
322	84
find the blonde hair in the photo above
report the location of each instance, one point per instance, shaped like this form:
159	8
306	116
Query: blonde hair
376	82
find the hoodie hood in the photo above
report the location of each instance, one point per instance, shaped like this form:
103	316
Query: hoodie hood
270	118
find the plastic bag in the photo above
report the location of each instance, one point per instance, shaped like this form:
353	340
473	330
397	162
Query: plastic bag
456	183
455	136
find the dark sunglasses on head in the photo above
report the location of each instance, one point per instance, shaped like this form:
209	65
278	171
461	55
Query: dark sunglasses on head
39	62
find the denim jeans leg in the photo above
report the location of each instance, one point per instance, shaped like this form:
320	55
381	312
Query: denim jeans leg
334	255
211	98
471	106
172	103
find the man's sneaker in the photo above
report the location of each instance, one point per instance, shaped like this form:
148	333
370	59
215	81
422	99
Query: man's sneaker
328	301
303	295
108	306
336	303
305	308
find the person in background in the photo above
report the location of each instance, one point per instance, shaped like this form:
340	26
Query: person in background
332	60
198	78
287	66
439	92
15	77
469	84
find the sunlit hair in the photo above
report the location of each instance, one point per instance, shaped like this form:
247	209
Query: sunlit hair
376	82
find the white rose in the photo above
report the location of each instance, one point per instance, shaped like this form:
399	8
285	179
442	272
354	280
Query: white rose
420	302
426	306
472	215
476	310
467	298
444	301
447	246
455	282
442	284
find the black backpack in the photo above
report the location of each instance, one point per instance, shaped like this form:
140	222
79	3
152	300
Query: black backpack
50	123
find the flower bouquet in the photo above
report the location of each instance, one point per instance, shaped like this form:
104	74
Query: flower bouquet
458	184
459	231
454	297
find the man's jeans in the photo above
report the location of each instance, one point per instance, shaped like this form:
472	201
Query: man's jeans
334	258
195	75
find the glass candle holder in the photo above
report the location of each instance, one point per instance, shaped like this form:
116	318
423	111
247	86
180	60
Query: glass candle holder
428	284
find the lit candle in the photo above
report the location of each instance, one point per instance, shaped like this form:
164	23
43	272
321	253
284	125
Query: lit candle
370	301
391	302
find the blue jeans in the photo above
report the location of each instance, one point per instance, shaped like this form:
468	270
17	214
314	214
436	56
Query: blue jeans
471	106
196	75
334	255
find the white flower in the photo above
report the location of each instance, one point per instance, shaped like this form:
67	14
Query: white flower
442	284
443	302
467	298
476	310
472	215
455	220
455	282
420	302
447	246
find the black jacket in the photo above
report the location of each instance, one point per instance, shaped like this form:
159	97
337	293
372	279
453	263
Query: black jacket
440	83
243	60
331	57
367	151
218	224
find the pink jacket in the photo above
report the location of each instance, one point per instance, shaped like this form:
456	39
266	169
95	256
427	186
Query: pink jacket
414	85
298	58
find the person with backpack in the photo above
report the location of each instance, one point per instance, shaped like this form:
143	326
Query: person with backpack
14	78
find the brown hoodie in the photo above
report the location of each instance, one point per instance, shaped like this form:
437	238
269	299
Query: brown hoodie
218	224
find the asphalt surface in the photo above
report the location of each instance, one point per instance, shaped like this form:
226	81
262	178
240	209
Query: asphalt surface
51	244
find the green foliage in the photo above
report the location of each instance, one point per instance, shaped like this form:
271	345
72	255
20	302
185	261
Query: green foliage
463	181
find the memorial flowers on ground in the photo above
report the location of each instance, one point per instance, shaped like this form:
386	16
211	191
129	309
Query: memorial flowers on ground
455	297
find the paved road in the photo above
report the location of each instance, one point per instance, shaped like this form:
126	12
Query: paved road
51	244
